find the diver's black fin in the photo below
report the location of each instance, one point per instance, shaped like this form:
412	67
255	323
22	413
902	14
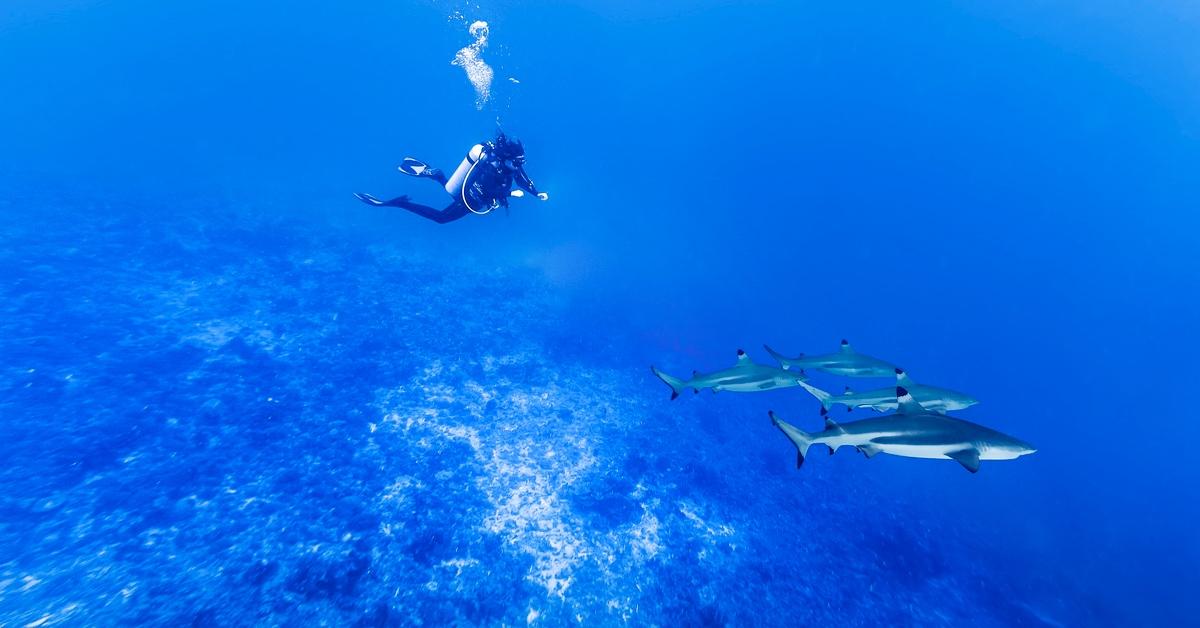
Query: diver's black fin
415	168
368	199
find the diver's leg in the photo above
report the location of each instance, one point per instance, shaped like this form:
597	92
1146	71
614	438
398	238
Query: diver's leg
453	211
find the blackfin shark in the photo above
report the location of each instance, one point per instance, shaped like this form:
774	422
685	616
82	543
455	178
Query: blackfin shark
745	376
846	361
932	398
912	432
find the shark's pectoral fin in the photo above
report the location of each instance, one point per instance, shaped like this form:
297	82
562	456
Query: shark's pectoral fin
968	458
715	389
868	450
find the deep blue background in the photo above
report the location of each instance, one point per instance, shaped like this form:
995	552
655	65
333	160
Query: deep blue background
1000	199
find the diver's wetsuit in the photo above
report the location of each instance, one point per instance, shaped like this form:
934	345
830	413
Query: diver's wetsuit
452	212
506	168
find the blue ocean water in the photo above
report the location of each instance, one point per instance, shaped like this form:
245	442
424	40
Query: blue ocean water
232	394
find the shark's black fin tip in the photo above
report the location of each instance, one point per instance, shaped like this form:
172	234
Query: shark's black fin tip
899	371
824	411
741	352
674	395
901	391
845	342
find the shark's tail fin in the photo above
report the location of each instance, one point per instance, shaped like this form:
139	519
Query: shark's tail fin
825	398
677	385
784	361
802	439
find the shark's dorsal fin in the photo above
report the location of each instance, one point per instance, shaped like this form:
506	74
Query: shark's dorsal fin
968	458
742	358
830	426
829	423
902	379
846	348
905	404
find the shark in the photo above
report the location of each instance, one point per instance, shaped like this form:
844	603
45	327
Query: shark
932	398
745	376
912	432
846	361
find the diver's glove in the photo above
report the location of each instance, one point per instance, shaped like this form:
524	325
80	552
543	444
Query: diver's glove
519	193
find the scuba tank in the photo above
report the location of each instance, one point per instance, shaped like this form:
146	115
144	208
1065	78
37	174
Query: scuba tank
472	185
454	185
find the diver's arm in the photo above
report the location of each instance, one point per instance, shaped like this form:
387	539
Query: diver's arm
523	180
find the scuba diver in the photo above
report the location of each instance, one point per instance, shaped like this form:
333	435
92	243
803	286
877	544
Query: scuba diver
481	183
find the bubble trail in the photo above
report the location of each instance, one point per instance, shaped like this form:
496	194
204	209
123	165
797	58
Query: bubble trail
470	60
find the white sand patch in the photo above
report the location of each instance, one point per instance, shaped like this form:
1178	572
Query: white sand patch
214	333
643	537
543	446
712	531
